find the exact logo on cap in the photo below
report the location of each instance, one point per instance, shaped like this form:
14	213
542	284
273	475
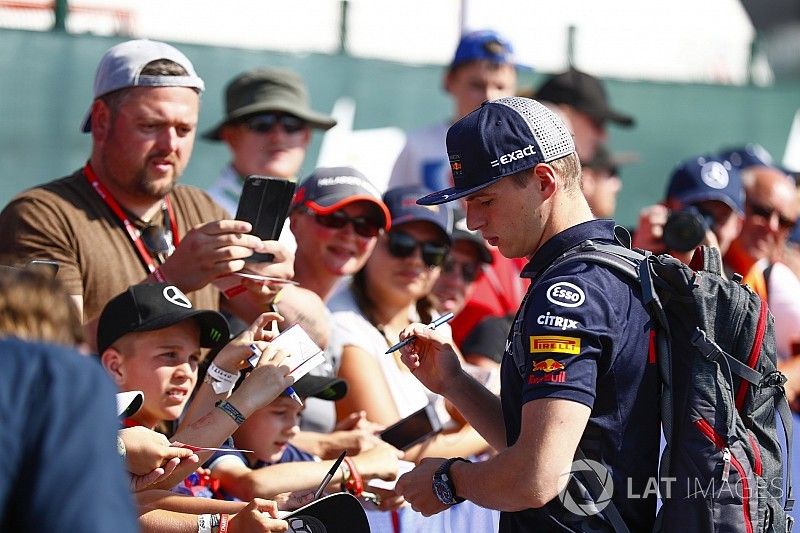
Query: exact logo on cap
513	156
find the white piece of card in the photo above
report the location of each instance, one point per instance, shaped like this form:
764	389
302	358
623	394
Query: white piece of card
402	468
304	354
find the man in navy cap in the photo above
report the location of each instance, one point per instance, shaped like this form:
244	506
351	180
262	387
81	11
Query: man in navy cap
704	205
575	368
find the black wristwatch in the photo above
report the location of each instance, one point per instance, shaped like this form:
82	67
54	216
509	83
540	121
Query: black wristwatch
443	486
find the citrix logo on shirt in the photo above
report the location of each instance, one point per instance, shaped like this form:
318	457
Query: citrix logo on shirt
565	294
556	321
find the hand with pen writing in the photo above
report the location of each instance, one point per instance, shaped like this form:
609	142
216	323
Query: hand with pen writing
431	357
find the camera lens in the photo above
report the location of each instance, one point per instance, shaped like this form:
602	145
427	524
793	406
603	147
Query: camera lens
686	229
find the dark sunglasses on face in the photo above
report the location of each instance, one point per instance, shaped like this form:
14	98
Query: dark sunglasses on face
265	122
403	245
767	212
363	226
469	271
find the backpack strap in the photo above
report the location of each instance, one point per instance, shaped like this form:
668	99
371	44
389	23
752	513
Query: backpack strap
711	351
596	489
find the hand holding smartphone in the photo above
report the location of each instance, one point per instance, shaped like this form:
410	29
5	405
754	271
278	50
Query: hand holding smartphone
265	203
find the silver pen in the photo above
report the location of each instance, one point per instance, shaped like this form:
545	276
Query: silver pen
447	317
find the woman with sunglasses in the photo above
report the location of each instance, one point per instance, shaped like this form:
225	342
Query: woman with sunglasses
336	217
390	292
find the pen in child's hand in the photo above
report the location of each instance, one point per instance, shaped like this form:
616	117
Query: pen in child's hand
433	325
329	476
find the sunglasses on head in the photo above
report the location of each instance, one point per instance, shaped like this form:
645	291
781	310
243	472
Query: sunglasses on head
469	271
767	212
403	245
363	226
266	121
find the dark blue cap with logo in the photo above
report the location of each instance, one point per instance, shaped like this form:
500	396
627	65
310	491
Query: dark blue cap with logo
707	178
402	204
483	45
500	138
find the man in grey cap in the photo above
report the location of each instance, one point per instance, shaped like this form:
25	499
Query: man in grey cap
122	218
267	128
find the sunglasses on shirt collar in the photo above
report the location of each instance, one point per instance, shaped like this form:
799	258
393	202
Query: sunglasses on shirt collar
264	122
366	227
403	245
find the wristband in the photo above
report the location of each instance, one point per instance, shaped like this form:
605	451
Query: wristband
355	484
215	518
223	523
204	523
231	411
222	381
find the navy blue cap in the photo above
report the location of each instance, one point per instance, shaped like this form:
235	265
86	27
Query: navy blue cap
402	204
500	138
483	45
707	178
749	155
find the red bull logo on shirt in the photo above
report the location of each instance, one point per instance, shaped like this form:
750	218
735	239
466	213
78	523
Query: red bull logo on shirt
548	365
555	344
554	372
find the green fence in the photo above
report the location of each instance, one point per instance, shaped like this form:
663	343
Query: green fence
46	80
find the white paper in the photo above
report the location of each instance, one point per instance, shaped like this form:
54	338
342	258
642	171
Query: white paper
303	352
402	468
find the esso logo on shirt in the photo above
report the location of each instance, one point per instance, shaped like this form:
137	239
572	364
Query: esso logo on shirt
565	294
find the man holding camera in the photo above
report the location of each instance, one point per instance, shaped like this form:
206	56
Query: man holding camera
123	218
704	205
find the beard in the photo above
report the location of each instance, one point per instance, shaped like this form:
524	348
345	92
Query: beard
149	187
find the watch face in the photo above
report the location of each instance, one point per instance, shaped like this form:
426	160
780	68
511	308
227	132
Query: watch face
443	492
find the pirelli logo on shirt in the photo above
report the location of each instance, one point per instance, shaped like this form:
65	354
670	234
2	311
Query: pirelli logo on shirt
555	344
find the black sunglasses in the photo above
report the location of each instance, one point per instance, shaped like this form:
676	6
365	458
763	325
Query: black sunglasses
363	226
158	241
767	212
265	122
469	271
403	245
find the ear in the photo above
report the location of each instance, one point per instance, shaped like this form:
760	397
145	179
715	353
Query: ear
447	80
114	364
228	133
545	179
101	120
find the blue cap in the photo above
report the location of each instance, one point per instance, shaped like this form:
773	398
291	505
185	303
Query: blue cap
707	178
749	155
483	45
500	138
402	204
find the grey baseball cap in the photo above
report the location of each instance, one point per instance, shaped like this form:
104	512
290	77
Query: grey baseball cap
121	67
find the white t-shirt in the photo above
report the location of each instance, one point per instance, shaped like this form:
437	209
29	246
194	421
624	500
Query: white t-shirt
351	328
423	160
784	301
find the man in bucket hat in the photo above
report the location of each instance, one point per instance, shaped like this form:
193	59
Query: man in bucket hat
575	367
267	128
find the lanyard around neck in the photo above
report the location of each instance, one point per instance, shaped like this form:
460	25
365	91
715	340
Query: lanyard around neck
133	233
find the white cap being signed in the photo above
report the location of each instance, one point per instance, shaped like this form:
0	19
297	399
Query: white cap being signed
129	402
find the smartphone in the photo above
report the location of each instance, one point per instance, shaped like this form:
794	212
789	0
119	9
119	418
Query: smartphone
265	204
413	429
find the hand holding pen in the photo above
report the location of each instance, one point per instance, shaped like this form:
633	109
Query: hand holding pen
433	325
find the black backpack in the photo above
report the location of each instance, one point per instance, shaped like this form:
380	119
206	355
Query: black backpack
714	340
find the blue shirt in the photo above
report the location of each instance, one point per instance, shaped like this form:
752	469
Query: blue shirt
60	470
585	338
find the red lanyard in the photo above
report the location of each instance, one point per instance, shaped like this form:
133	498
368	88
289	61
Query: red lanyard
133	233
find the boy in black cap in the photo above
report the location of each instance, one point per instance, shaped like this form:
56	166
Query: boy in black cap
150	339
276	466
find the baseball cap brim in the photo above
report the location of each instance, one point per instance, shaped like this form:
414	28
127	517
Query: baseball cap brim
315	120
324	388
454	193
710	195
608	115
326	205
128	403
